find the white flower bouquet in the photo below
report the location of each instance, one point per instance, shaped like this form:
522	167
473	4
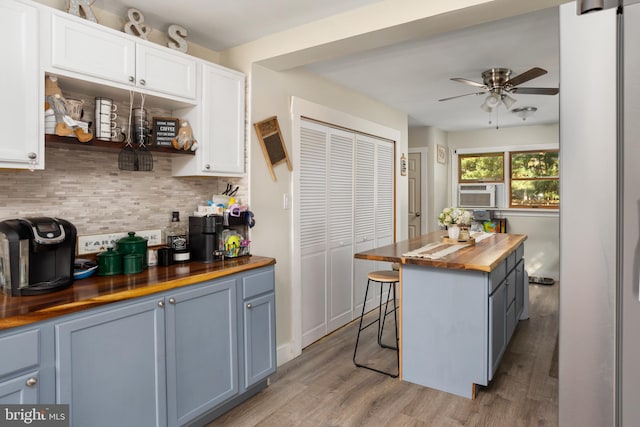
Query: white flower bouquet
454	216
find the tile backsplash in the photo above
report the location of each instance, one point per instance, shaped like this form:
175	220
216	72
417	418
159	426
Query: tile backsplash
87	188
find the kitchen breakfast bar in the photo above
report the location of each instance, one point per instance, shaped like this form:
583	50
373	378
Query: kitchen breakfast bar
459	305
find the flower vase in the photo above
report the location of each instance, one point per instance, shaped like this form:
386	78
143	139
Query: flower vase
453	231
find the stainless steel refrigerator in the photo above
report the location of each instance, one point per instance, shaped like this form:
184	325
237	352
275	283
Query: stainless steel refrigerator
599	376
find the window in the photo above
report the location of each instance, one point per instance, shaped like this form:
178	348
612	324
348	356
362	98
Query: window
534	179
487	167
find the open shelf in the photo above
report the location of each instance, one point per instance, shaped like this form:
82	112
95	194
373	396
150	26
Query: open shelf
104	145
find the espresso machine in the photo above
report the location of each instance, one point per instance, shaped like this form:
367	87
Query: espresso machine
210	236
36	255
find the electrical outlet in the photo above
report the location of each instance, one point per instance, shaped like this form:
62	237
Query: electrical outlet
100	242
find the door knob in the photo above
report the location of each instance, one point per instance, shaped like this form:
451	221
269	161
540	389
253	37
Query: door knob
418	214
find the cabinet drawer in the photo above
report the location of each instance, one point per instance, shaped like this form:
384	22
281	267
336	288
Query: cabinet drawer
258	283
497	276
19	351
519	253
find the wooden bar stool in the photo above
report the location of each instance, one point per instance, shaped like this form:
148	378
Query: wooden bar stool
381	277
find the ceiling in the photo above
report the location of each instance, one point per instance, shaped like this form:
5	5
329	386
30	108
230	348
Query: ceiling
409	76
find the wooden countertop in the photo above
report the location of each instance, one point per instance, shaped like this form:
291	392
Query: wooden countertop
483	256
96	291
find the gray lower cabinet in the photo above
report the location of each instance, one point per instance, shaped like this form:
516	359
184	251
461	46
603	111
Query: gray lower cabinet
172	359
22	389
202	357
506	303
259	326
20	367
111	366
497	336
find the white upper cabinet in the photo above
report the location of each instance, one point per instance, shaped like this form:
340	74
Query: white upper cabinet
218	123
91	50
21	86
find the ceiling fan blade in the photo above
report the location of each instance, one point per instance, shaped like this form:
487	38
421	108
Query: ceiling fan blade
526	76
469	82
535	90
460	96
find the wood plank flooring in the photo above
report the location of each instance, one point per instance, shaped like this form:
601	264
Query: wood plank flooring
322	387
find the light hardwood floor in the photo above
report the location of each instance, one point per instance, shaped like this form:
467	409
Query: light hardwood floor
322	387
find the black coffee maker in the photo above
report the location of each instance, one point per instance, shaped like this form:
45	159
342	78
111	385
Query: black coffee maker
207	235
36	255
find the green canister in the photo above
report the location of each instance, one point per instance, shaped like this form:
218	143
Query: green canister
133	245
109	263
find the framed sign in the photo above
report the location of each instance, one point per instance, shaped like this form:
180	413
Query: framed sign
272	144
164	130
441	154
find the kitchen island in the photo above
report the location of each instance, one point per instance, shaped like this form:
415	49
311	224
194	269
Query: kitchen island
458	311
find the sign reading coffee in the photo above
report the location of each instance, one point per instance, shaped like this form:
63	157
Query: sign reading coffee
164	130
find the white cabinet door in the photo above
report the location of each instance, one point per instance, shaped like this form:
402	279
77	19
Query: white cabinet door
223	120
161	70
99	52
91	50
21	87
218	124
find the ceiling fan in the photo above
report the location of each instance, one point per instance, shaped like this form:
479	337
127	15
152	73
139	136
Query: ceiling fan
498	84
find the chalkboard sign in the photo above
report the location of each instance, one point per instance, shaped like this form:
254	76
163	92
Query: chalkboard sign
164	130
272	144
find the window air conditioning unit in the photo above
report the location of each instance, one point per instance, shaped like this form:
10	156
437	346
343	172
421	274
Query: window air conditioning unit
477	195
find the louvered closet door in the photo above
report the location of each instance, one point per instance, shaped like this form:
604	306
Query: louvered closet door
340	228
313	230
364	218
384	193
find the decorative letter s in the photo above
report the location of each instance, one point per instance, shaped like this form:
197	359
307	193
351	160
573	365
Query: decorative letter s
177	34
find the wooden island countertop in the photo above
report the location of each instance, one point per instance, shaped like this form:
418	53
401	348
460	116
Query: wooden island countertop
481	256
96	291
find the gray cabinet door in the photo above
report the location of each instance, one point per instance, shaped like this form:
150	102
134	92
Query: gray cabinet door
497	327
520	288
110	366
202	357
20	390
259	338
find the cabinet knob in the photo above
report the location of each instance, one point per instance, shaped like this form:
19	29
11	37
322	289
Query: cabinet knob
143	82
132	79
249	306
207	166
172	300
418	214
160	303
32	156
31	381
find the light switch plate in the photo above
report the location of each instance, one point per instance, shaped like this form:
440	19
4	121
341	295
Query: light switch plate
94	243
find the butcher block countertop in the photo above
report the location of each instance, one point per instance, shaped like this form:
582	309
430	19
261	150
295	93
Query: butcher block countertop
96	291
482	256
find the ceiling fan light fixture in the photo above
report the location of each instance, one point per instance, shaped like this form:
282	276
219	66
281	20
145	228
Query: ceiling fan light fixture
524	112
508	101
490	102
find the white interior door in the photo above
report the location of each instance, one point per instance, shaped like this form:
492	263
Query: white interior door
414	169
